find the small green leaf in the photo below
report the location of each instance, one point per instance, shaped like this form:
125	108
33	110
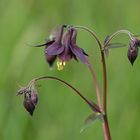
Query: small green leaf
112	46
90	120
116	45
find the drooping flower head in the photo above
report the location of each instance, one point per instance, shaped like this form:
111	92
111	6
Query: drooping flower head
30	98
64	47
133	50
53	46
70	49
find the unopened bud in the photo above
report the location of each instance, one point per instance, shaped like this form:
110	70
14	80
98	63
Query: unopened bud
132	53
29	106
34	97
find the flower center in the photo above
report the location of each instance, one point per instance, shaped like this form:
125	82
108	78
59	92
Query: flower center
60	65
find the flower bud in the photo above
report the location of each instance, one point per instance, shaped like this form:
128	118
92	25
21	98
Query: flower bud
34	98
30	97
132	53
22	90
30	100
135	42
29	106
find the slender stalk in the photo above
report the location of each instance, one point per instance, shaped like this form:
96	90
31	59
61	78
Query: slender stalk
105	124
103	58
92	33
106	128
90	67
92	105
104	65
117	33
96	86
105	82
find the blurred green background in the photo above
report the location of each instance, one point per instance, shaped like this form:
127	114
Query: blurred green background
60	114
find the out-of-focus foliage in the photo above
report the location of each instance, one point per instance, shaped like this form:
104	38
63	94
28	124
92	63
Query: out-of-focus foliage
60	114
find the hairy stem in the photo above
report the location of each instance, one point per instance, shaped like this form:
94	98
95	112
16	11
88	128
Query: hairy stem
92	105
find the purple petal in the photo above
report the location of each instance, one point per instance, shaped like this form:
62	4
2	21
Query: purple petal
75	57
50	59
67	38
78	52
54	49
66	55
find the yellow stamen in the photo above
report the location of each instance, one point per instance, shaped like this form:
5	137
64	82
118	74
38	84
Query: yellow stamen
60	65
64	63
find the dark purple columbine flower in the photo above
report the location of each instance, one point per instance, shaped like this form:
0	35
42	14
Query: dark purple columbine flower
30	98
54	45
64	48
133	50
70	49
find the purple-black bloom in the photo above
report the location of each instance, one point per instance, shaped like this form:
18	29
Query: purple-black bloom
53	46
70	49
64	48
133	50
